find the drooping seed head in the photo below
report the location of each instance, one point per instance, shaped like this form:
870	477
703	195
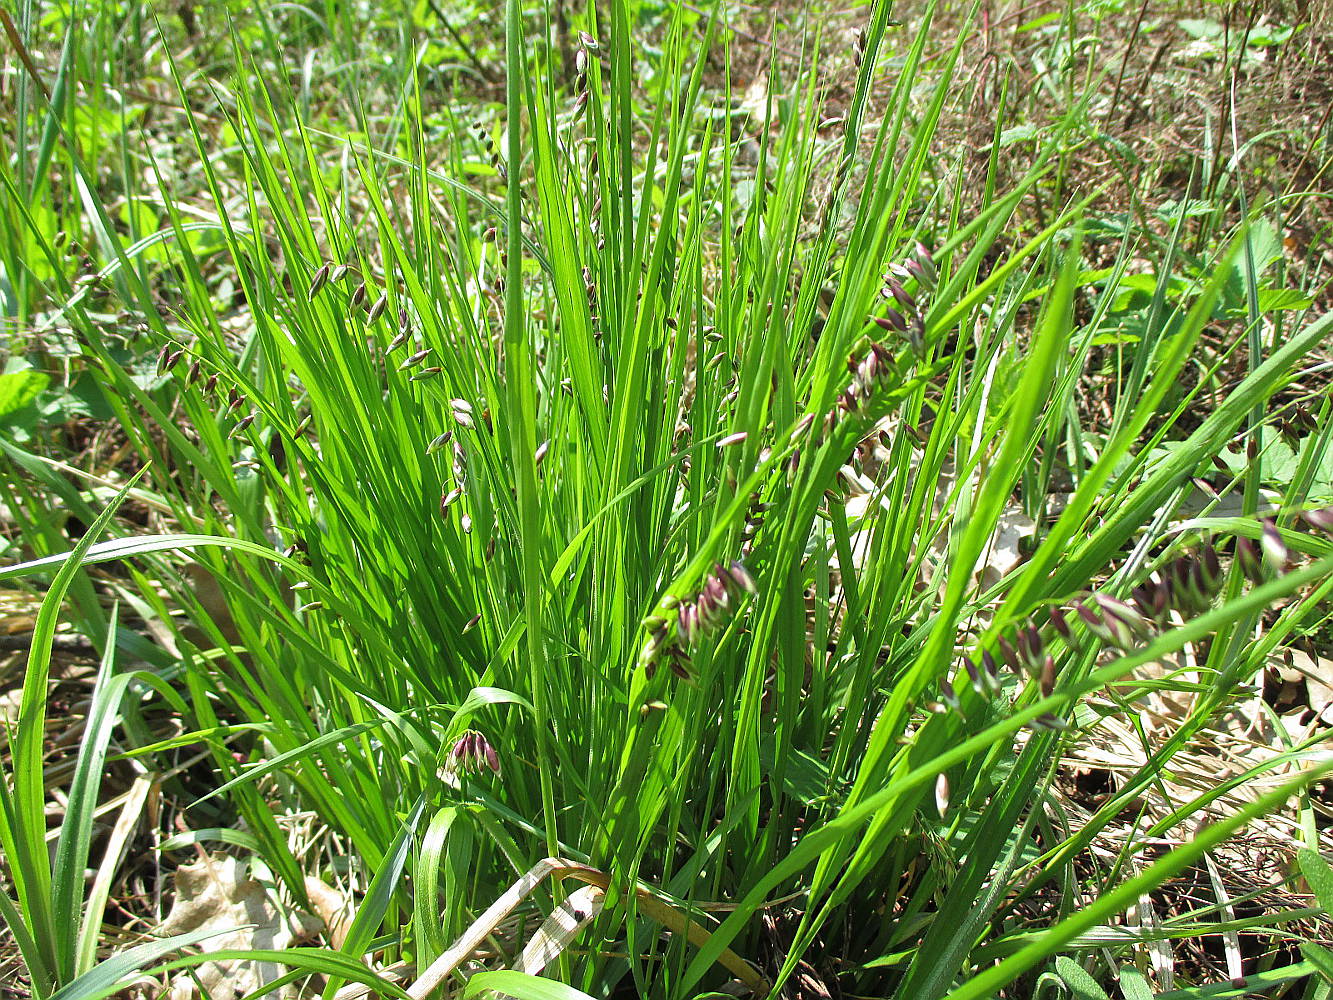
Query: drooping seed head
1060	623
707	613
412	360
1201	591
990	668
892	321
438	442
648	653
377	310
358	295
338	273
1047	676
1163	598
916	333
741	576
718	584
1030	644
424	374
683	622
1009	655
1184	591
1251	563
398	341
679	665
1121	610
317	282
1212	568
1275	549
1122	621
1321	519
905	299
916	271
926	262
974	675
492	759
1093	622
1143	597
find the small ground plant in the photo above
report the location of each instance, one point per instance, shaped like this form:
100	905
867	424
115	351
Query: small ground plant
618	491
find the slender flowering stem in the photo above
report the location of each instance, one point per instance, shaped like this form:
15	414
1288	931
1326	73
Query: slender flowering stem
518	382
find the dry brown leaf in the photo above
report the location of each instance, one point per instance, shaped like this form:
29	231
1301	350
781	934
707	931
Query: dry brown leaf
218	893
332	907
560	928
1316	673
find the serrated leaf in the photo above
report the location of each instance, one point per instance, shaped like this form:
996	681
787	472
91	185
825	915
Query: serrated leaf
1273	299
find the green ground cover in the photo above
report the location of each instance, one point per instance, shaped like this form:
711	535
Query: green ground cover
848	488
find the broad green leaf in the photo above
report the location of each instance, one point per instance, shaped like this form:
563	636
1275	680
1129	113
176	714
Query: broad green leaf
1081	985
18	389
1320	957
1133	984
521	986
1319	876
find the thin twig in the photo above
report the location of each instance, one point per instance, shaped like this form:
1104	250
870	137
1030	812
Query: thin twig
22	51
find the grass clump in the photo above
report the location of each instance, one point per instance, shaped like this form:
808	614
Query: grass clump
594	505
